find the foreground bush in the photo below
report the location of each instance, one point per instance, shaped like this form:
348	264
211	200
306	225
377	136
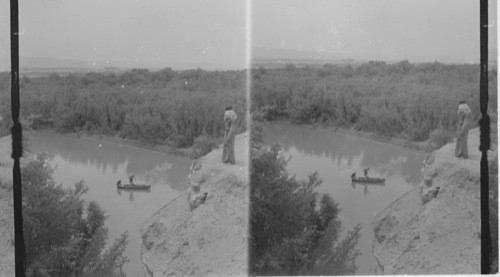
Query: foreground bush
64	235
293	230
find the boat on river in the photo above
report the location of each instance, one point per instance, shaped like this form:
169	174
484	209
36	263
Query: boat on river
133	186
367	180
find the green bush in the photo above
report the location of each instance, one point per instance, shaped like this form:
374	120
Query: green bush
440	137
293	229
64	235
156	107
401	100
203	145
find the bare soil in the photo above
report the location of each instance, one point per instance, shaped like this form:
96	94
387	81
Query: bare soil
421	234
192	237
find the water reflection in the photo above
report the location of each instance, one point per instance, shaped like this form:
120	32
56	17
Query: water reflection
389	160
365	186
150	166
131	193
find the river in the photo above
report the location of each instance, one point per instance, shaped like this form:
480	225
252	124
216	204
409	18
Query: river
335	156
101	164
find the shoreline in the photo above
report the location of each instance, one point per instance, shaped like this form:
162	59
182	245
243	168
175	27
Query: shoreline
178	152
424	146
200	148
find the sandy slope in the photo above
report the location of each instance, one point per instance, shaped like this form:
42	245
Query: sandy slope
184	238
441	236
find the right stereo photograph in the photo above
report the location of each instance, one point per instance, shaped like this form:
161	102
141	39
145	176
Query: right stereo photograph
364	146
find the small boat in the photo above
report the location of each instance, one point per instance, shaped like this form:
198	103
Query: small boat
133	186
355	179
367	180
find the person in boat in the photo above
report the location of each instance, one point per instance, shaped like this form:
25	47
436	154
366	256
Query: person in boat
366	172
131	179
119	183
461	150
229	134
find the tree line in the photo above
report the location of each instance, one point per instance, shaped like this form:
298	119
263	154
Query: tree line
162	107
402	100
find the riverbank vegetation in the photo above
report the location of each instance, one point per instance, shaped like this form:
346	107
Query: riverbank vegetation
293	229
65	235
164	107
413	102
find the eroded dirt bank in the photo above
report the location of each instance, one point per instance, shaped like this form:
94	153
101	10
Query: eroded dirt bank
435	227
203	231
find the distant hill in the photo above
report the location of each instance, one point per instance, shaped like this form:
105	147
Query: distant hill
275	56
262	53
43	62
43	66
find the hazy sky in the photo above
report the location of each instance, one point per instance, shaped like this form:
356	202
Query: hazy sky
212	33
388	28
138	32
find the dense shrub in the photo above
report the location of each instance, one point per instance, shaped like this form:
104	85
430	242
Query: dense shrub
158	107
293	229
64	235
400	100
440	137
203	145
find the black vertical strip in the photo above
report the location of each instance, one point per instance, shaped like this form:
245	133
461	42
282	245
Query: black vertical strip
16	132
484	124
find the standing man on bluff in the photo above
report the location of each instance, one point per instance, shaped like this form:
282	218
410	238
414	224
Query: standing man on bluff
461	150
229	133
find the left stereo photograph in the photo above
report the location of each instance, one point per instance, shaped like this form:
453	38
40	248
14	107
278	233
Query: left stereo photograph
135	138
